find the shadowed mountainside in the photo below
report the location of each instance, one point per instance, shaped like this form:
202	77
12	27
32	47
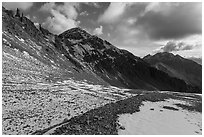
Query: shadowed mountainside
177	66
115	66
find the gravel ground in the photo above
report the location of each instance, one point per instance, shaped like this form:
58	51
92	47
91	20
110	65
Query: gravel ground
104	120
37	106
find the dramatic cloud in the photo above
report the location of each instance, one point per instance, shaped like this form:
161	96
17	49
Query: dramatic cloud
113	12
47	6
63	16
171	20
59	23
140	27
173	46
20	5
156	7
98	31
68	9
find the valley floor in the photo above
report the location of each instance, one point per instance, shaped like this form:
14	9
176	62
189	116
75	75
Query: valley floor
43	99
145	113
27	107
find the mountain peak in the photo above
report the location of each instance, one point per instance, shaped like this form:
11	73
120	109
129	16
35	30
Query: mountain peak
177	66
164	55
76	29
75	33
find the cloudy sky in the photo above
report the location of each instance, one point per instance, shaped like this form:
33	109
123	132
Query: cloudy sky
141	28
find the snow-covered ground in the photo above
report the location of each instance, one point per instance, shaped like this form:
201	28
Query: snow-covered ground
153	119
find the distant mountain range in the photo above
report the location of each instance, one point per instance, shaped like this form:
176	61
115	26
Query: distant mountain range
177	66
94	59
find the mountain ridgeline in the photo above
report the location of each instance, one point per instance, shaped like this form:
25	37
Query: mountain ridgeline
177	66
103	61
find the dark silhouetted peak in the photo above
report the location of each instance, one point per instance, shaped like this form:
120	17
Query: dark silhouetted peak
163	55
79	36
177	66
75	34
147	56
76	29
179	57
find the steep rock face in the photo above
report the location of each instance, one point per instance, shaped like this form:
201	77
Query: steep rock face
21	37
117	67
177	66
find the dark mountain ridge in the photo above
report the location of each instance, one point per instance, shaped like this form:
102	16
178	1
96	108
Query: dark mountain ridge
97	56
177	66
22	35
117	67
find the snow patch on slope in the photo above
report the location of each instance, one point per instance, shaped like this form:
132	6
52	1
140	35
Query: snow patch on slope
153	119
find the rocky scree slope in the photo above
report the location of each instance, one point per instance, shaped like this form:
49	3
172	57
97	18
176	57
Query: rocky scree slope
40	86
23	36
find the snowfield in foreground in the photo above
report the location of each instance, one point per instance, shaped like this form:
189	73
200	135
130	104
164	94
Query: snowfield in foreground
161	118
